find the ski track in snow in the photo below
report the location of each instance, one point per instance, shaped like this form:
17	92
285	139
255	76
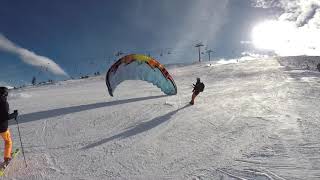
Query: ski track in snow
255	120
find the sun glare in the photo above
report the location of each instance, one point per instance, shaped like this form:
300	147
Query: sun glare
285	38
272	35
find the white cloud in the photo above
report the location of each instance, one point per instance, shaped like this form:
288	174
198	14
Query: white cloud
265	3
30	57
297	27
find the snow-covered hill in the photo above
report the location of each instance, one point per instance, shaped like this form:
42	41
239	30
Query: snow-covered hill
255	120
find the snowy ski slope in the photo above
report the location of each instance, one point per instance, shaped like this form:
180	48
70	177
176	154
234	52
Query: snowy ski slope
255	120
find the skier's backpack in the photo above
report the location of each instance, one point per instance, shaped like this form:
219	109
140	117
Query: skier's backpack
201	87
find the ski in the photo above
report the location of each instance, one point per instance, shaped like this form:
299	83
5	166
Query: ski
4	168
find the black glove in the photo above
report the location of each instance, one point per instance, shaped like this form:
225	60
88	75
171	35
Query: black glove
15	113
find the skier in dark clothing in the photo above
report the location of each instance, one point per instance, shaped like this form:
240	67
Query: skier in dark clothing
197	88
4	117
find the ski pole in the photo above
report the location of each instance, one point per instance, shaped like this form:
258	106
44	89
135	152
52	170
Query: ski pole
20	139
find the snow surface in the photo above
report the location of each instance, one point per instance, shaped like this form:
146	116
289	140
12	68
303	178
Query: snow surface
255	120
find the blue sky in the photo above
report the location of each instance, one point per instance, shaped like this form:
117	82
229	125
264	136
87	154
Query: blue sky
82	36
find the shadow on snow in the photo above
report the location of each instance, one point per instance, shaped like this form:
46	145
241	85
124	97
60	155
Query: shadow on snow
142	127
73	109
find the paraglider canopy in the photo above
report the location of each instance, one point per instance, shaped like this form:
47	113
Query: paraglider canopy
140	67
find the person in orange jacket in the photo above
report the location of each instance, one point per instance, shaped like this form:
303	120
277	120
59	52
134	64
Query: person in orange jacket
4	118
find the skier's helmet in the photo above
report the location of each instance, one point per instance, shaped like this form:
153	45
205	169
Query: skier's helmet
198	79
3	91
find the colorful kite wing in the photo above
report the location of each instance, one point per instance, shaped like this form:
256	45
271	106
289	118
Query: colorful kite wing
140	67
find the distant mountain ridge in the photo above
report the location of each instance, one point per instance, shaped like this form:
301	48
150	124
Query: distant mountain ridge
300	62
